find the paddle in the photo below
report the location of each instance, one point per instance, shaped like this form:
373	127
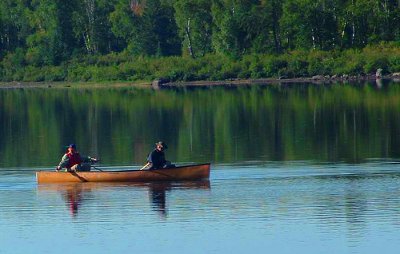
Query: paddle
97	168
145	166
93	161
78	176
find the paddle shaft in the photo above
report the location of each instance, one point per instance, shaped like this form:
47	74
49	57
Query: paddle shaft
97	168
145	166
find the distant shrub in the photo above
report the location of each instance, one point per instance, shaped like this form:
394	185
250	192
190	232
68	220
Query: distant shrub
205	71
101	73
11	64
374	63
78	73
126	71
113	59
54	73
274	66
17	75
297	64
320	63
252	67
33	74
349	62
123	66
394	63
230	70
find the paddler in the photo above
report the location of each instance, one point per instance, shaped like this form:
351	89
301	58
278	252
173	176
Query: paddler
156	158
73	161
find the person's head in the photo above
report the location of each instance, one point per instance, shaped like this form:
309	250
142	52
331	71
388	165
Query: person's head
161	146
71	148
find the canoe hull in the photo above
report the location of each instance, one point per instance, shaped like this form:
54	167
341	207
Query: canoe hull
192	172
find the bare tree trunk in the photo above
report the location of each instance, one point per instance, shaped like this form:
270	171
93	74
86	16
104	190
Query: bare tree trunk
313	37
88	35
86	39
187	29
353	35
343	32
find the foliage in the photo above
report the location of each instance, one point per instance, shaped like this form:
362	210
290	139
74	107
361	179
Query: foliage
297	63
313	122
195	22
144	39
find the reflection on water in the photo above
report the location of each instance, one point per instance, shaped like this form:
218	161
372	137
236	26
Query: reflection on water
157	193
291	170
73	197
338	207
259	123
74	194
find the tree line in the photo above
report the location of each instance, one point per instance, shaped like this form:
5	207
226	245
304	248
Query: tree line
39	33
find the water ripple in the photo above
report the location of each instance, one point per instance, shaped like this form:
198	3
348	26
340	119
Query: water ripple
342	204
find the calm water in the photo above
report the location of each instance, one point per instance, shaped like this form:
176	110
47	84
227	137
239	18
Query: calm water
295	169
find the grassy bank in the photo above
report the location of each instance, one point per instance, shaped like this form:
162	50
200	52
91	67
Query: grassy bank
294	64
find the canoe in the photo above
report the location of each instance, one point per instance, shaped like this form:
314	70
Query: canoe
182	173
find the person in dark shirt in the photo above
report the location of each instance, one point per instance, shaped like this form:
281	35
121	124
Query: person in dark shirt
156	158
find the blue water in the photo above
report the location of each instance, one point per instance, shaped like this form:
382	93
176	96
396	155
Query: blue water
279	207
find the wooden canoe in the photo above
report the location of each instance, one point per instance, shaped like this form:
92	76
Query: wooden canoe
190	172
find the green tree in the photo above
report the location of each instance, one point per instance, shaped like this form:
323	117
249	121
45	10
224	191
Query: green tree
52	39
369	21
309	24
194	20
146	27
246	26
92	27
14	25
274	11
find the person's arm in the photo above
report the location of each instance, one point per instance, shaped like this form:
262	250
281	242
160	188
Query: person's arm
149	163
87	159
63	163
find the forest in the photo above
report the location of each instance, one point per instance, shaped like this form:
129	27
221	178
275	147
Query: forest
185	40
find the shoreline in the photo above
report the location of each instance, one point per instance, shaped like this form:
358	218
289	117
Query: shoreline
162	83
72	85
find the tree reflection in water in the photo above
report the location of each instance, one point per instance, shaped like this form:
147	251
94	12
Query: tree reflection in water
327	123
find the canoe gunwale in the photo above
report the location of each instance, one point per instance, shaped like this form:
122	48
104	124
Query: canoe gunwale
138	170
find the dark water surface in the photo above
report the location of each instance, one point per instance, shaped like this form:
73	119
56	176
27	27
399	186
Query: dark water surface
295	169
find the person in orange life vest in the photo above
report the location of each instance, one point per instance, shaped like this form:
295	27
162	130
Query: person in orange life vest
73	161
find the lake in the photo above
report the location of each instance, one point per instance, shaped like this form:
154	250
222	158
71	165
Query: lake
300	168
